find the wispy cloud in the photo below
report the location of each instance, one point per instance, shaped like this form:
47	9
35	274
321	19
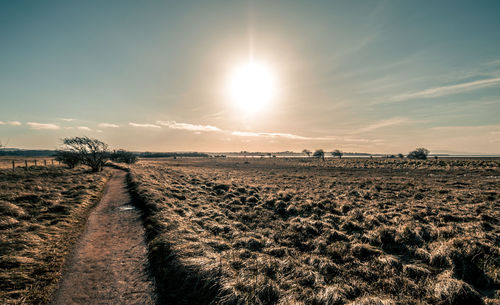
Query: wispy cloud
446	90
495	62
278	135
358	140
143	125
67	119
245	134
108	125
35	125
491	129
381	124
13	123
287	136
187	126
84	128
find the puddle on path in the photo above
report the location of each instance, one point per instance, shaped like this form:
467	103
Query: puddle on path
126	208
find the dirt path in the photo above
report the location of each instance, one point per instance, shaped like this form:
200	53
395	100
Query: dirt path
109	264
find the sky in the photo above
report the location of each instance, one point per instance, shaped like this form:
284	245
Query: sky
359	76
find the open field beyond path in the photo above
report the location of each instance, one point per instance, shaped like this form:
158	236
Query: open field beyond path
109	264
307	232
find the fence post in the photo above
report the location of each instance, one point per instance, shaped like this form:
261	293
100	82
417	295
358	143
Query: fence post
13	165
52	162
45	163
25	164
35	162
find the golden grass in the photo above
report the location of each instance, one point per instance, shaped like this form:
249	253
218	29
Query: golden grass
6	162
300	231
42	213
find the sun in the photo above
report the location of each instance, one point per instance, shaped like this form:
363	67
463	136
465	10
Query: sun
252	86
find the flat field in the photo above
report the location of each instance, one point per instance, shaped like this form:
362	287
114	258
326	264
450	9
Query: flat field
6	162
303	231
42	212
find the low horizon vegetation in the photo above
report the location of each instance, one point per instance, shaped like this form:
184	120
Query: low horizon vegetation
91	152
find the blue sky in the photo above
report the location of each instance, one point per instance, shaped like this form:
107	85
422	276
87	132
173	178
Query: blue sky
366	76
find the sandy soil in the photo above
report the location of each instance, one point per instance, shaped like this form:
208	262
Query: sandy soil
109	264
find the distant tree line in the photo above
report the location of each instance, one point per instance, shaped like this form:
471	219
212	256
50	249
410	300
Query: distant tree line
49	153
123	156
171	154
418	153
27	152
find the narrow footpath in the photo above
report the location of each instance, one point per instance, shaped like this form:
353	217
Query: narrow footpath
109	264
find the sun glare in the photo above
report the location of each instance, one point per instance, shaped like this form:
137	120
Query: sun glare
252	86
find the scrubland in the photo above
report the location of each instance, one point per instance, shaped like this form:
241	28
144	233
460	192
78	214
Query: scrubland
19	162
42	213
302	231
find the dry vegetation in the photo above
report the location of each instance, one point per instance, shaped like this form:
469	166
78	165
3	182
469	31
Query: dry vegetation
6	162
353	231
42	212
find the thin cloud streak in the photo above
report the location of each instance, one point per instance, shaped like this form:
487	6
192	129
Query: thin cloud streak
197	129
187	126
447	90
108	125
39	126
381	124
85	128
210	128
357	140
278	135
477	128
13	123
67	119
143	125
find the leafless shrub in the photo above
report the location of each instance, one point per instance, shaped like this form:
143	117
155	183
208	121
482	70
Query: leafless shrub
90	152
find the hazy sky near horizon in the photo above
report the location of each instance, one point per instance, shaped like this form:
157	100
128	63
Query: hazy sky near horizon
365	76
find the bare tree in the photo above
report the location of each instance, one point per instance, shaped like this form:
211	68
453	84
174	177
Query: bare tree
337	153
419	153
319	153
70	158
91	152
307	152
123	156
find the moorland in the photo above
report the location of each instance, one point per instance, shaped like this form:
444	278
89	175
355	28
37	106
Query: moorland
43	211
273	230
306	231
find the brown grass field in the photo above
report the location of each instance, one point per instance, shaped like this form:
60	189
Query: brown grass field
42	213
302	231
6	162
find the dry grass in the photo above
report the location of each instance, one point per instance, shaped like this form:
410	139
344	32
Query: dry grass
42	212
238	231
6	162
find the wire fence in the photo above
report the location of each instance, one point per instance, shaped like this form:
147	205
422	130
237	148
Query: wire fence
27	164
